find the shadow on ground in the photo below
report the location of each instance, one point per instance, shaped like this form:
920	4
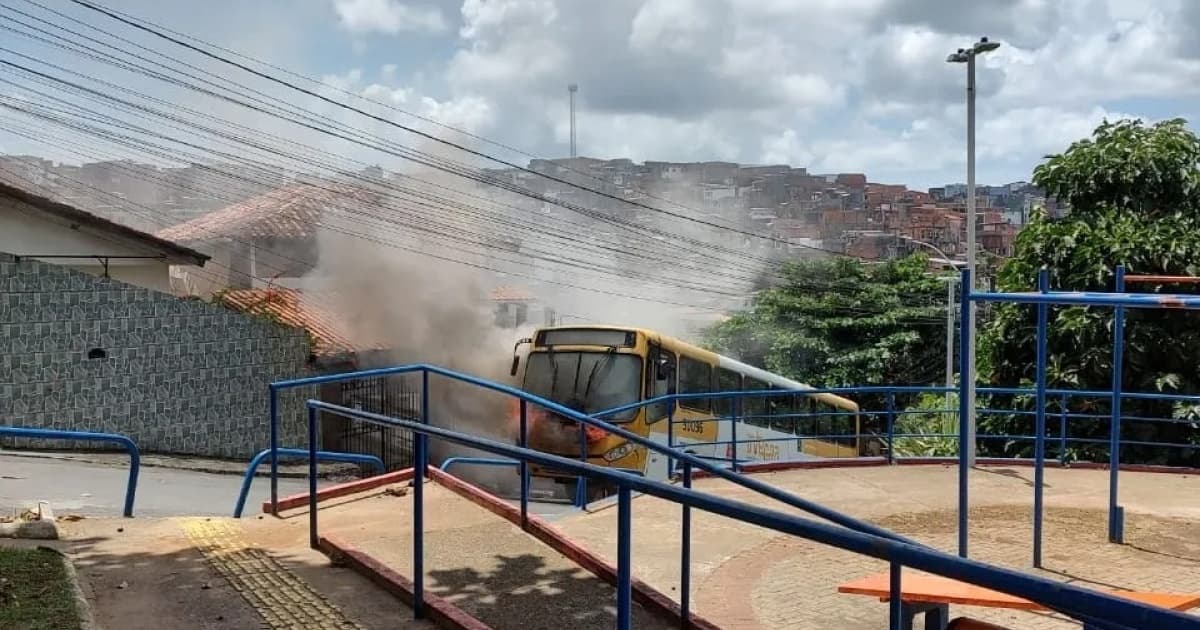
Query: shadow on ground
549	599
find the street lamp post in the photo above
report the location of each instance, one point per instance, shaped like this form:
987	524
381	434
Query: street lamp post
950	307
967	56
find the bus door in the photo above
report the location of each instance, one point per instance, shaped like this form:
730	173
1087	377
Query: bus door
660	381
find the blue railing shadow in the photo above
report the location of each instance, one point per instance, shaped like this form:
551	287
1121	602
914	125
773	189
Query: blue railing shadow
1095	609
135	457
330	456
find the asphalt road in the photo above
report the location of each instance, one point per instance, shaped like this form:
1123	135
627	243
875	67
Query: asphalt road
98	490
74	487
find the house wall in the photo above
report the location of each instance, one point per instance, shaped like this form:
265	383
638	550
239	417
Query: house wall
179	376
25	230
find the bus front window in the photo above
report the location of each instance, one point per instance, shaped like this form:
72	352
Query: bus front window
588	382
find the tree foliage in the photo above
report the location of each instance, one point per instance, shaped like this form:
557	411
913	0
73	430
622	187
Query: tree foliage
838	322
1134	195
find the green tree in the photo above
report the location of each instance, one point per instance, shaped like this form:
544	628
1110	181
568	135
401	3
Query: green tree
1134	195
838	322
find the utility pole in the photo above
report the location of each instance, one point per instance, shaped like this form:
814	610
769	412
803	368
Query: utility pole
571	90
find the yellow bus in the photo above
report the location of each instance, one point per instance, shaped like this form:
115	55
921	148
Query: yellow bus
595	368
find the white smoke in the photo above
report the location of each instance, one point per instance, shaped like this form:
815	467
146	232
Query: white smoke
394	289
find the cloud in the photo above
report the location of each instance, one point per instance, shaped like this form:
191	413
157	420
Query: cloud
388	16
834	85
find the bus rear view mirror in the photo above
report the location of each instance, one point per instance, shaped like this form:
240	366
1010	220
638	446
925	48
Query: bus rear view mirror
516	362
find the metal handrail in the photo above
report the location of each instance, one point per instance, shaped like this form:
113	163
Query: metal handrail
331	456
713	469
1099	609
477	461
135	457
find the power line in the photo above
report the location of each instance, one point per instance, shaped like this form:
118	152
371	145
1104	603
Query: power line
92	92
408	154
178	41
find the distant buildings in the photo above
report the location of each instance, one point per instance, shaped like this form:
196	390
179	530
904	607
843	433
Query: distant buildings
800	212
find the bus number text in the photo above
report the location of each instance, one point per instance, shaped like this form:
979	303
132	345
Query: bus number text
693	426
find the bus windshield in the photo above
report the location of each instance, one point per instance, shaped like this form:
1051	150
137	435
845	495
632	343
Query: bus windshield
587	382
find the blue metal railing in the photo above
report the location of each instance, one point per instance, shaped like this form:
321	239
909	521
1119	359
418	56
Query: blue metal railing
719	466
135	456
419	457
331	456
1096	609
892	416
450	462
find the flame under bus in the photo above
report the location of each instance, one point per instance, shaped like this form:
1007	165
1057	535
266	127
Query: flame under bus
595	368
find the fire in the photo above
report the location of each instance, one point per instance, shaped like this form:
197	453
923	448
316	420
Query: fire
535	415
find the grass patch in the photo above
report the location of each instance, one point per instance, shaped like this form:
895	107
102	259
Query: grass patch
35	592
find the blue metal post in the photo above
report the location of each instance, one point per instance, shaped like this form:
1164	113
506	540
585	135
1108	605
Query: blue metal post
737	414
891	427
624	558
670	438
1115	515
274	395
258	458
135	464
313	540
1039	443
966	380
524	467
420	442
895	601
685	555
1062	431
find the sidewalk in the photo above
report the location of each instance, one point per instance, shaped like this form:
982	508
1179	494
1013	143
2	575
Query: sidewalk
209	574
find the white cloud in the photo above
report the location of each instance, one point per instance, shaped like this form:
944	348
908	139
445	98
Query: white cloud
834	85
785	149
388	16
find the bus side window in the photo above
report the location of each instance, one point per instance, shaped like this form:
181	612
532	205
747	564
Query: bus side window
811	417
660	380
825	419
754	408
727	381
781	413
695	377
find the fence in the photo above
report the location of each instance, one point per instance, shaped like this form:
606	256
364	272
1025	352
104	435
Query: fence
1093	608
386	395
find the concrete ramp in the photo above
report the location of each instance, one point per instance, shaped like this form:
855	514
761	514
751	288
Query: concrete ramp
478	561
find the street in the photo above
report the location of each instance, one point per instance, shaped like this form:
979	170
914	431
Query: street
97	490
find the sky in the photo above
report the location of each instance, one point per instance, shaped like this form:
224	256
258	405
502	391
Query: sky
831	85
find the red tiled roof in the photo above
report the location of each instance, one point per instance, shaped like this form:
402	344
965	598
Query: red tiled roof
288	212
292	308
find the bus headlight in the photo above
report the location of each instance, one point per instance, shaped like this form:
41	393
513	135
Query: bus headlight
619	451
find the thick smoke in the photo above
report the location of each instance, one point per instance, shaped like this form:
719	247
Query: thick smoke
393	295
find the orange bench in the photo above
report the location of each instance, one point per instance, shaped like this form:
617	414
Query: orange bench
931	596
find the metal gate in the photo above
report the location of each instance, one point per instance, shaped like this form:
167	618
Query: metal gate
386	395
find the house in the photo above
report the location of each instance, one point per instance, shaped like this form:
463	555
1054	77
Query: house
37	228
270	239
